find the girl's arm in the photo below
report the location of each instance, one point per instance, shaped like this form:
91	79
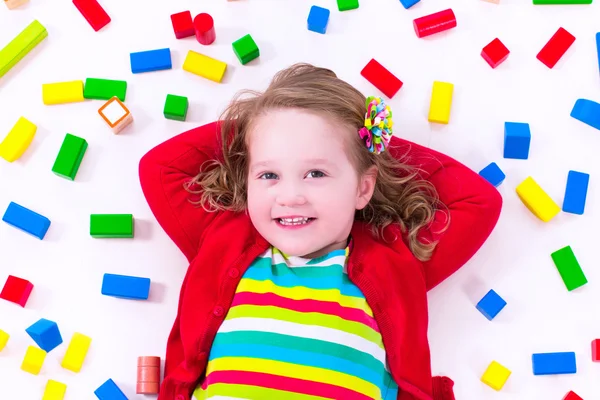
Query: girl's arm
473	205
163	172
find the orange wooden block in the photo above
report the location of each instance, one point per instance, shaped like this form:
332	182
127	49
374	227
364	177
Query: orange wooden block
148	375
116	114
12	4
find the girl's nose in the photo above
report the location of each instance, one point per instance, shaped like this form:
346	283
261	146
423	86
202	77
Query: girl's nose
290	195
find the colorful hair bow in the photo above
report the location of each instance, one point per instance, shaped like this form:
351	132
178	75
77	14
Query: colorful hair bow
377	131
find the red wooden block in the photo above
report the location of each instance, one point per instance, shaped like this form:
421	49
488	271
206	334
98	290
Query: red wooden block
558	44
183	26
93	12
596	350
381	78
16	290
434	23
495	53
572	396
205	29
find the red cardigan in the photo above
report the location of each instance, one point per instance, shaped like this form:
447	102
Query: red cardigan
221	245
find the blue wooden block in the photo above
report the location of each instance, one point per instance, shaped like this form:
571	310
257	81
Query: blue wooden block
491	304
109	391
588	112
26	220
517	138
45	334
554	363
598	47
576	192
126	287
151	60
409	3
318	18
493	174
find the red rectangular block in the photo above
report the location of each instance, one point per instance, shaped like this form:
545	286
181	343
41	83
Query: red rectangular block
572	396
93	12
381	78
495	53
556	47
183	25
596	350
16	290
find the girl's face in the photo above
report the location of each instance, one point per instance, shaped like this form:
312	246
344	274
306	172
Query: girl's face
302	188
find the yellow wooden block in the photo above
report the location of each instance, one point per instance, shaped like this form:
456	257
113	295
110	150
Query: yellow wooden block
441	102
33	361
3	339
54	390
18	140
536	200
204	66
62	92
495	376
76	352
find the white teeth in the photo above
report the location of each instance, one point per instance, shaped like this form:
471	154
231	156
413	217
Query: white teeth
293	221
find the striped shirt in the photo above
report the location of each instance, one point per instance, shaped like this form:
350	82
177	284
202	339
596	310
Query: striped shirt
298	329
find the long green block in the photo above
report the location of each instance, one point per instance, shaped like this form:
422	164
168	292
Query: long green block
245	49
111	225
345	5
104	89
22	44
69	156
551	2
568	268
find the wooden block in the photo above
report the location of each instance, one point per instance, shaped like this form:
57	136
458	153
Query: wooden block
18	140
16	290
556	47
70	156
572	396
76	352
381	78
116	114
176	107
183	25
54	390
495	53
496	375
204	66
3	339
345	5
148	375
33	361
126	287
554	363
62	92
111	225
595	350
93	12
576	192
109	391
12	4
26	220
104	89
536	200
569	269
246	49
150	60
21	45
441	102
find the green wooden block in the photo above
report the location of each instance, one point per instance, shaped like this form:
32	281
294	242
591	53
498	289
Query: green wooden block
21	45
111	225
246	49
176	107
345	5
568	268
69	156
551	2
104	89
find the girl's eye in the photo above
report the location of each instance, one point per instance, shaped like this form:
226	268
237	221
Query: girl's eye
268	175
316	174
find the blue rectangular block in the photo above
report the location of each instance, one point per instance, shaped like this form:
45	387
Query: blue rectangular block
491	304
409	3
126	287
588	112
45	334
517	138
151	60
598	48
109	391
318	18
26	220
576	192
554	363
493	174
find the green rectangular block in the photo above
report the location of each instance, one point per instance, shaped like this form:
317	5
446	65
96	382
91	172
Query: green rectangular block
21	45
69	156
345	5
176	107
111	225
245	49
104	89
568	268
550	2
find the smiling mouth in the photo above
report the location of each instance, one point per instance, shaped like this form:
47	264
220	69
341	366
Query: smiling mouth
294	221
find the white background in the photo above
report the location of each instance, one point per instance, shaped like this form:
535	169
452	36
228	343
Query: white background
67	266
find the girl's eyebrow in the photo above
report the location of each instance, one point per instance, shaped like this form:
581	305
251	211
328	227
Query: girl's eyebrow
311	161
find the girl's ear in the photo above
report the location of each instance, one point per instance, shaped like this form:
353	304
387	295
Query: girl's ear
366	187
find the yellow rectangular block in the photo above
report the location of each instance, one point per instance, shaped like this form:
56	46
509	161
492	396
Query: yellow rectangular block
18	140
495	376
536	200
33	361
3	339
54	390
204	66
441	102
76	352
62	92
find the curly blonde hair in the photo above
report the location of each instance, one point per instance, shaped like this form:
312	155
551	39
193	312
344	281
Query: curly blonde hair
399	196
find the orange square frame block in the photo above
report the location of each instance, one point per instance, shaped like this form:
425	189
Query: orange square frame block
116	114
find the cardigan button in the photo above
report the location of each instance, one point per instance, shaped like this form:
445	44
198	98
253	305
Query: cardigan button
234	273
218	311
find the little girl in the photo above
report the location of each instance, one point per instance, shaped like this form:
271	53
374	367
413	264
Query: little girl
313	236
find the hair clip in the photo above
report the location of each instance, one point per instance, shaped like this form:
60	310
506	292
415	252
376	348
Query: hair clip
377	131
